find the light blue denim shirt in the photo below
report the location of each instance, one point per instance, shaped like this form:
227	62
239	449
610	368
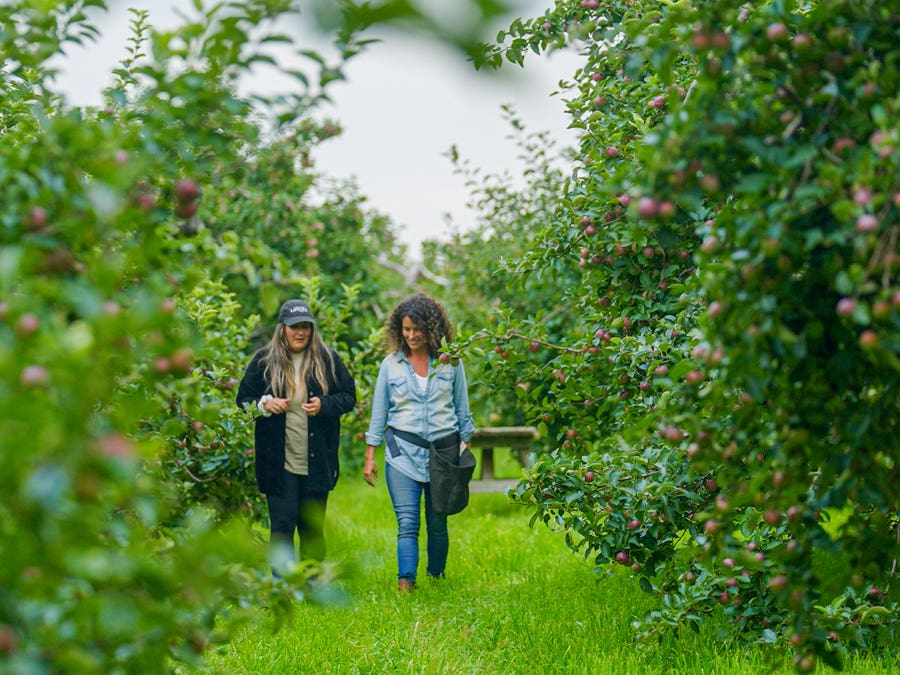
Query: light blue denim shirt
398	402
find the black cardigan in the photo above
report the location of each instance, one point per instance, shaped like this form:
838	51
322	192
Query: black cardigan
324	429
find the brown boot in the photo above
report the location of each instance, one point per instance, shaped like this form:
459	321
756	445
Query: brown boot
405	585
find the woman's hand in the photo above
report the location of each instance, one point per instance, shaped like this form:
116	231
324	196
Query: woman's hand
314	407
370	469
276	406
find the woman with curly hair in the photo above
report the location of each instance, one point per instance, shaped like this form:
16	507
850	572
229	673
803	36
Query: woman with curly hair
419	402
298	388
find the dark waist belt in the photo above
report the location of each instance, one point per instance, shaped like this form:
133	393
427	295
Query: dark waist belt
448	441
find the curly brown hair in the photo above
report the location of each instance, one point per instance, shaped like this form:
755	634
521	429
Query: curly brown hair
430	317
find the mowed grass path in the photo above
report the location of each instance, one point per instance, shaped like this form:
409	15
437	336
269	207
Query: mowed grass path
515	600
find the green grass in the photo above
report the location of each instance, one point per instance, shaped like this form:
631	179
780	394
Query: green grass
516	600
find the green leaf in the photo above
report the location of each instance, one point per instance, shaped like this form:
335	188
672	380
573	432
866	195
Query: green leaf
10	259
270	297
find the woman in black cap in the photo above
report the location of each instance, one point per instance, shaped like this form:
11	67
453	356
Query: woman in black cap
298	387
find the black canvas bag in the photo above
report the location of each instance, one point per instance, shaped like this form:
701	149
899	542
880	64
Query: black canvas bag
450	469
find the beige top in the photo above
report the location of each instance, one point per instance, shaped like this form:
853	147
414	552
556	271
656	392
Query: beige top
296	450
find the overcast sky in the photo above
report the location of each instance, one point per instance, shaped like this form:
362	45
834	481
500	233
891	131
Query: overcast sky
406	101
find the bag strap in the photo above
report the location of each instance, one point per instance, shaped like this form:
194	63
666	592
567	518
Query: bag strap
391	442
448	441
410	437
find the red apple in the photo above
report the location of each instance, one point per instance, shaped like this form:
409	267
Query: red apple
710	183
842	144
9	641
802	42
868	339
34	376
881	309
666	209
776	32
37	219
845	306
146	201
700	41
28	324
694	377
778	583
710	244
186	210
186	190
116	446
862	196
182	359
867	223
671	433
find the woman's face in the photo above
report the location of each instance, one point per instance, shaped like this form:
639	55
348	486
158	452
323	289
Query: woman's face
298	336
413	335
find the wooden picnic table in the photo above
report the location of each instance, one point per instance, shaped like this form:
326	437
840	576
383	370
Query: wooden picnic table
518	439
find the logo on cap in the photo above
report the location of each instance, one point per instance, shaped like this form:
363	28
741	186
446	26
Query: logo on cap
295	311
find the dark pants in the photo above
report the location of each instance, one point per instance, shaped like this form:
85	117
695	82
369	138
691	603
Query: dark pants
301	510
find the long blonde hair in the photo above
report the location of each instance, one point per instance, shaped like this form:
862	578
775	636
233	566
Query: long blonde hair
279	370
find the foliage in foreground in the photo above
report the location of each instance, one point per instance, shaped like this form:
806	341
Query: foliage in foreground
102	247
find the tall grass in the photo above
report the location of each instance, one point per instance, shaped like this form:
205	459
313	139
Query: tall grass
515	600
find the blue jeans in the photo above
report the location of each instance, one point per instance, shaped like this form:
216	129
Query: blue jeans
406	495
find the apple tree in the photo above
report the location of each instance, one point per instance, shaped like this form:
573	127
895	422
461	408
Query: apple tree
476	276
727	384
101	298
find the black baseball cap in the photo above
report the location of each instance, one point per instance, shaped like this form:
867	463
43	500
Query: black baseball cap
293	312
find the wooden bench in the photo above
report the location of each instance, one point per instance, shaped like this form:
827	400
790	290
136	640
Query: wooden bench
518	439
